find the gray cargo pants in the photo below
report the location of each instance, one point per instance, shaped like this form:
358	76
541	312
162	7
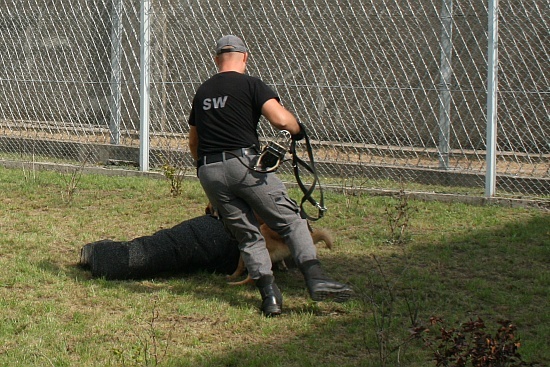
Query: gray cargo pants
236	192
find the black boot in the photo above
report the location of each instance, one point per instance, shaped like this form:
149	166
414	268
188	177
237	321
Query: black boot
272	299
320	286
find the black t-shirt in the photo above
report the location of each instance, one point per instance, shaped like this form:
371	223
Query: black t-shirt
226	110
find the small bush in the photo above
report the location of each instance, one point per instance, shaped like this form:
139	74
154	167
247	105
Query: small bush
471	345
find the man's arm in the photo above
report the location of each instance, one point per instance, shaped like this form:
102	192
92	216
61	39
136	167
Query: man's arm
280	117
193	142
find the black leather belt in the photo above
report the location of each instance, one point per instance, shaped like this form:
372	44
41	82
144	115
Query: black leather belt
218	157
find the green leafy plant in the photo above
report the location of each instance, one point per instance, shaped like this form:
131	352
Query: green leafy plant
175	175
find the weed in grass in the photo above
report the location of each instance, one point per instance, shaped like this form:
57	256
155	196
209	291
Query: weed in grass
385	306
151	347
31	175
383	301
72	180
175	174
469	344
71	183
398	214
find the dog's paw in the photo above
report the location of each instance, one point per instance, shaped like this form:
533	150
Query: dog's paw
280	266
212	211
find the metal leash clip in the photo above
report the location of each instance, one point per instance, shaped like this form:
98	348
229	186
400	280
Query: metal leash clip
273	154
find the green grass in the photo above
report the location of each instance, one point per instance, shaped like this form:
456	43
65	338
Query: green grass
459	262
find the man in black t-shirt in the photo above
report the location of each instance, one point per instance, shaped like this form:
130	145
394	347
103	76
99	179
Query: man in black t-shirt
223	134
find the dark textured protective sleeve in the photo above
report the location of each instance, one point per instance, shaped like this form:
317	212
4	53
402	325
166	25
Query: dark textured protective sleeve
199	244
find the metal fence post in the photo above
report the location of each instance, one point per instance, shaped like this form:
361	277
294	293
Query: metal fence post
116	71
445	80
492	89
144	85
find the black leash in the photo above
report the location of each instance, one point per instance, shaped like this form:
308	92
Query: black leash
308	191
272	157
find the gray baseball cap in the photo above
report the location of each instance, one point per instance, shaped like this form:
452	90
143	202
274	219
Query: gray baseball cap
230	43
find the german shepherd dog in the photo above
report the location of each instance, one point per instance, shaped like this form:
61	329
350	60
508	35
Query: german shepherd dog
277	248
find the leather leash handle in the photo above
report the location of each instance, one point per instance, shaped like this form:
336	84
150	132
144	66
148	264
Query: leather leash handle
308	191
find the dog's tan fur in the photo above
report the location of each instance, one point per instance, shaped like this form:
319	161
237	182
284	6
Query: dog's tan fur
277	248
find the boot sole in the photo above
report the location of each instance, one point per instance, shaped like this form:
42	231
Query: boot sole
273	308
274	311
337	295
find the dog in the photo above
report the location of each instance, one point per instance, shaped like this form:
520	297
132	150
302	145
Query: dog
277	248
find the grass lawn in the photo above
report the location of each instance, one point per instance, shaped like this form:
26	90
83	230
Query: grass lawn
407	260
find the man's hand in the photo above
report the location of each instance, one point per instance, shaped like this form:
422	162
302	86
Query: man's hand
301	134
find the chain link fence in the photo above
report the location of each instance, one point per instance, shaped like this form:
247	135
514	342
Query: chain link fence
393	92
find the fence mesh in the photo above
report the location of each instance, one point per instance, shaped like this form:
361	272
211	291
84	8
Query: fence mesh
391	91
